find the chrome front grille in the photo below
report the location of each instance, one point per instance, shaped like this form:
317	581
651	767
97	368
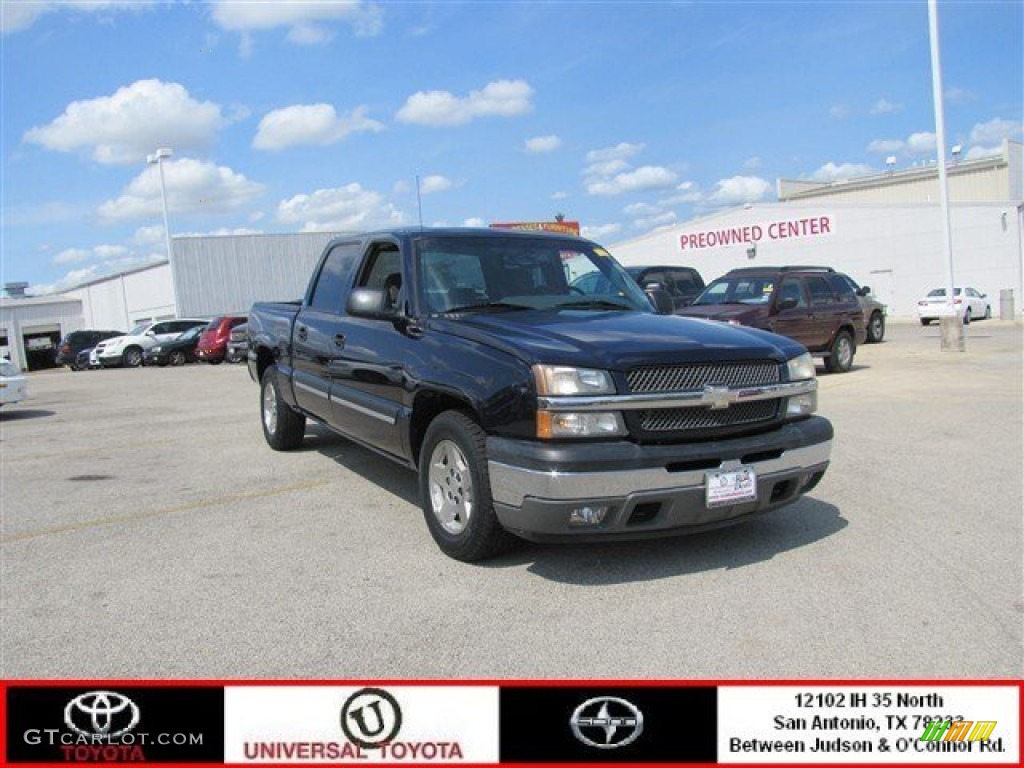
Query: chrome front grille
681	378
684	419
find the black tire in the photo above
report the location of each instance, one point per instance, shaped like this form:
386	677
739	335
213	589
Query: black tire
841	353
177	357
455	490
231	357
988	311
925	321
283	427
876	328
216	361
967	316
132	357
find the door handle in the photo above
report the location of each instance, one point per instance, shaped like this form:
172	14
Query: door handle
339	340
302	333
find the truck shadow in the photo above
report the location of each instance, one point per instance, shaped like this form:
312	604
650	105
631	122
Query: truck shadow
24	413
803	523
755	541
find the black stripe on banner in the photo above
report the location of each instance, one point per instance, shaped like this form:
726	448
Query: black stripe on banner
114	724
609	724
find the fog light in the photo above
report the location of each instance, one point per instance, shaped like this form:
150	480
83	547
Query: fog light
802	405
588	515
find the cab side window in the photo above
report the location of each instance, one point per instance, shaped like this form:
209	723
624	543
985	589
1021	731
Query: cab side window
792	288
821	293
333	278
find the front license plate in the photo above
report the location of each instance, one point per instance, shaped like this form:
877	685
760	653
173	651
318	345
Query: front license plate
732	487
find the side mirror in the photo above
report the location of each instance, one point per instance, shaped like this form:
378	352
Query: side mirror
659	299
787	303
369	302
864	290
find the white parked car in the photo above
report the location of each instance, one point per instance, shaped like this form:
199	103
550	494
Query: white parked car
129	349
13	386
968	303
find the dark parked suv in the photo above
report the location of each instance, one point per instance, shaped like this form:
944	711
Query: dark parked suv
813	305
681	284
77	341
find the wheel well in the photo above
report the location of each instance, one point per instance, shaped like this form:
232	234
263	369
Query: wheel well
427	406
264	359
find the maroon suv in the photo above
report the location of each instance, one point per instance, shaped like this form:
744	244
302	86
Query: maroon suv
813	305
213	343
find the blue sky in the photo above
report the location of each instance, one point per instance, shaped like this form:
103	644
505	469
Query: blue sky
626	116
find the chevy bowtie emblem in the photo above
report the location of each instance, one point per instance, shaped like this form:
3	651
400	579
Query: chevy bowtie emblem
716	397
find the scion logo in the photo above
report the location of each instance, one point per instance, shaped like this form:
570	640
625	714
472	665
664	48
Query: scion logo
101	713
606	722
371	718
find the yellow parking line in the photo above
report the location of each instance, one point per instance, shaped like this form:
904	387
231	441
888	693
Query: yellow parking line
136	516
85	451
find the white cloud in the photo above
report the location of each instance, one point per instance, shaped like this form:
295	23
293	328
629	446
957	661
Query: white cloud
192	185
752	163
642	179
316	124
600	231
111	252
994	131
431	184
830	171
560	195
738	190
304	20
310	34
16	16
348	208
653	222
688	192
541	144
979	152
72	256
885	107
839	112
611	160
921	143
501	98
149	235
886	146
125	127
958	96
642	209
475	221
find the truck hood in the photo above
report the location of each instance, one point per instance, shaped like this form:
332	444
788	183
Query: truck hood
615	340
737	313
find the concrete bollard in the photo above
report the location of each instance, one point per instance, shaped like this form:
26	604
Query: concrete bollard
1006	308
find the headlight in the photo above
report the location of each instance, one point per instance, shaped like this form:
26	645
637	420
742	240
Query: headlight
555	380
801	367
579	424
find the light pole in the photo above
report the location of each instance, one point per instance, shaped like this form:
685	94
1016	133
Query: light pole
157	159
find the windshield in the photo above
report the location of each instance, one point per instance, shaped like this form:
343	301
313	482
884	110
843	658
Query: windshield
505	273
941	292
748	289
139	329
191	333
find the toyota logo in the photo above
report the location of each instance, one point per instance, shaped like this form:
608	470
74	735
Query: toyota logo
371	718
101	713
607	722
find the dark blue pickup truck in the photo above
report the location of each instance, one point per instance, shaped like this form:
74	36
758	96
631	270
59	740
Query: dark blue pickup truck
529	404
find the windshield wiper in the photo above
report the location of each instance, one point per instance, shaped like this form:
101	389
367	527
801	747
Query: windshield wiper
485	305
592	303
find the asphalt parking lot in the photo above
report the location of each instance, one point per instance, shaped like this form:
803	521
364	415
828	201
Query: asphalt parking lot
149	532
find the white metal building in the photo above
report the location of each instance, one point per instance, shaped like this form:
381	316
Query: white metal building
120	301
885	231
31	327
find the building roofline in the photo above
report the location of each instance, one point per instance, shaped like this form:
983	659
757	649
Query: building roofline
114	276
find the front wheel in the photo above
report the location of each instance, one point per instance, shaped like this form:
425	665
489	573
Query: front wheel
967	316
926	321
840	359
283	427
988	312
177	357
132	357
455	490
876	328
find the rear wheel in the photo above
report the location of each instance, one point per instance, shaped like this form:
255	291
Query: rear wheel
840	359
967	316
177	357
988	311
283	427
876	328
925	321
455	490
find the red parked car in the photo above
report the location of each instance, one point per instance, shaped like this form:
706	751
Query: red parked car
213	344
